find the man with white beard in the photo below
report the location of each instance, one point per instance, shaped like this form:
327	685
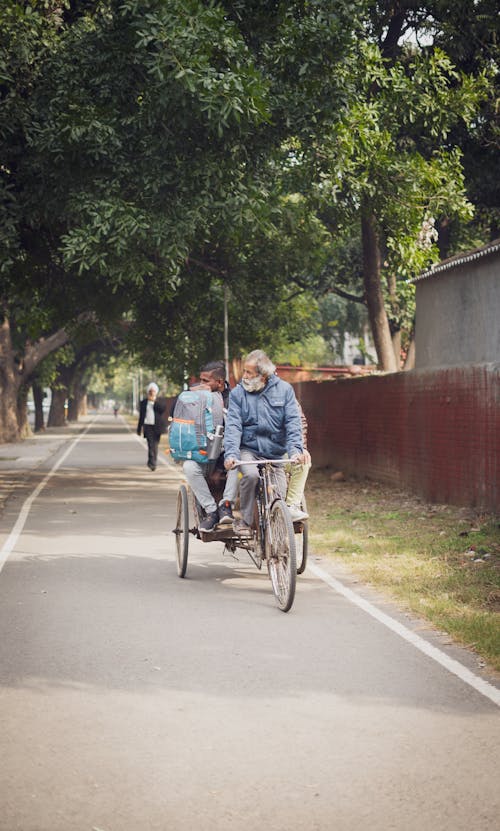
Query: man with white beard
263	422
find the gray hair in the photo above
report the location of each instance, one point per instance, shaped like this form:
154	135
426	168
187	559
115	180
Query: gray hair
263	364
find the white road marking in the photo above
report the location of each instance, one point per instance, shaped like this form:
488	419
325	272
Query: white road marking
455	667
14	535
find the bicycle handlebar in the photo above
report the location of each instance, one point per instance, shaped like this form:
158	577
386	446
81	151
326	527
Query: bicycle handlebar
266	462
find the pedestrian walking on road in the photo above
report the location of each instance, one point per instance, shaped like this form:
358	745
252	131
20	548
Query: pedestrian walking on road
152	422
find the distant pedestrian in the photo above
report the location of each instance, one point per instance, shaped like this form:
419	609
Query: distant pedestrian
152	422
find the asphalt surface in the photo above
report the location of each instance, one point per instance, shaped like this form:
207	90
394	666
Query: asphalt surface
131	699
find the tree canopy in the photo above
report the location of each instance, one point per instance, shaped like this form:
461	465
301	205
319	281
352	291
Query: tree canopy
154	152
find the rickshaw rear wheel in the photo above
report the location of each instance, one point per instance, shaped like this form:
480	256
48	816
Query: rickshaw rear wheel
181	531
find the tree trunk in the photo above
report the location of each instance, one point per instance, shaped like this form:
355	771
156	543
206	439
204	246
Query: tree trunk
9	430
73	407
14	373
410	355
36	351
394	326
38	401
57	414
60	393
83	411
396	346
75	401
76	404
22	413
9	385
444	237
374	296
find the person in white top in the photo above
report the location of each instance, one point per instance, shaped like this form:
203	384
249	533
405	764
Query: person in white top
152	422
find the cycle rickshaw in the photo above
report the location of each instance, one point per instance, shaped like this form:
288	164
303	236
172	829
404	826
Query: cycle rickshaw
276	540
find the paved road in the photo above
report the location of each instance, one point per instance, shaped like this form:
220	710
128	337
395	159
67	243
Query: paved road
133	700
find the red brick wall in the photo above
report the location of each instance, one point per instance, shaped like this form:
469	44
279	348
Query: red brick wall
435	432
298	374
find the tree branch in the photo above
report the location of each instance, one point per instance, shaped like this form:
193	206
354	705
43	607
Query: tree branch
394	31
347	296
36	352
294	294
211	268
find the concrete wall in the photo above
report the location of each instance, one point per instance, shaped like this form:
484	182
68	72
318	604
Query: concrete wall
458	315
435	433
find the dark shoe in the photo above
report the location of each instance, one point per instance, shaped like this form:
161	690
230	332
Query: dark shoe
210	521
151	466
241	528
225	513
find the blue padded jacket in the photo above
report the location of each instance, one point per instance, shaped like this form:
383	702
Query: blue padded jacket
266	422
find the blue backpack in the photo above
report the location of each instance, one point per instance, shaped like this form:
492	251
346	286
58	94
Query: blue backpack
192	431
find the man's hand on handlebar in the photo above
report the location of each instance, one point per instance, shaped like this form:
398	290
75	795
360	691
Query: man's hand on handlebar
303	458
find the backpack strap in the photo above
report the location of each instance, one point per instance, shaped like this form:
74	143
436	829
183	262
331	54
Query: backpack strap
200	421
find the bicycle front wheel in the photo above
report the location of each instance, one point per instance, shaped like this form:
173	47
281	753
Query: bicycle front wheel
181	531
282	561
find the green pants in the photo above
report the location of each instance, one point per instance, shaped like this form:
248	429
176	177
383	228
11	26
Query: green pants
297	483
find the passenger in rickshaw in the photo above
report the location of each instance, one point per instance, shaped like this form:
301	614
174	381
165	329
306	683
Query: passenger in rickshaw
298	477
263	422
213	377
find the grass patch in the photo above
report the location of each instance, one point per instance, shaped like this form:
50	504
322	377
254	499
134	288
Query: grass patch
438	561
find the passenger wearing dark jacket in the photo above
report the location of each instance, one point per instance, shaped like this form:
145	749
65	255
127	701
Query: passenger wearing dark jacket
152	422
263	422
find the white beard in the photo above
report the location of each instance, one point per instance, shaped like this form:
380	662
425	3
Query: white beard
253	384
